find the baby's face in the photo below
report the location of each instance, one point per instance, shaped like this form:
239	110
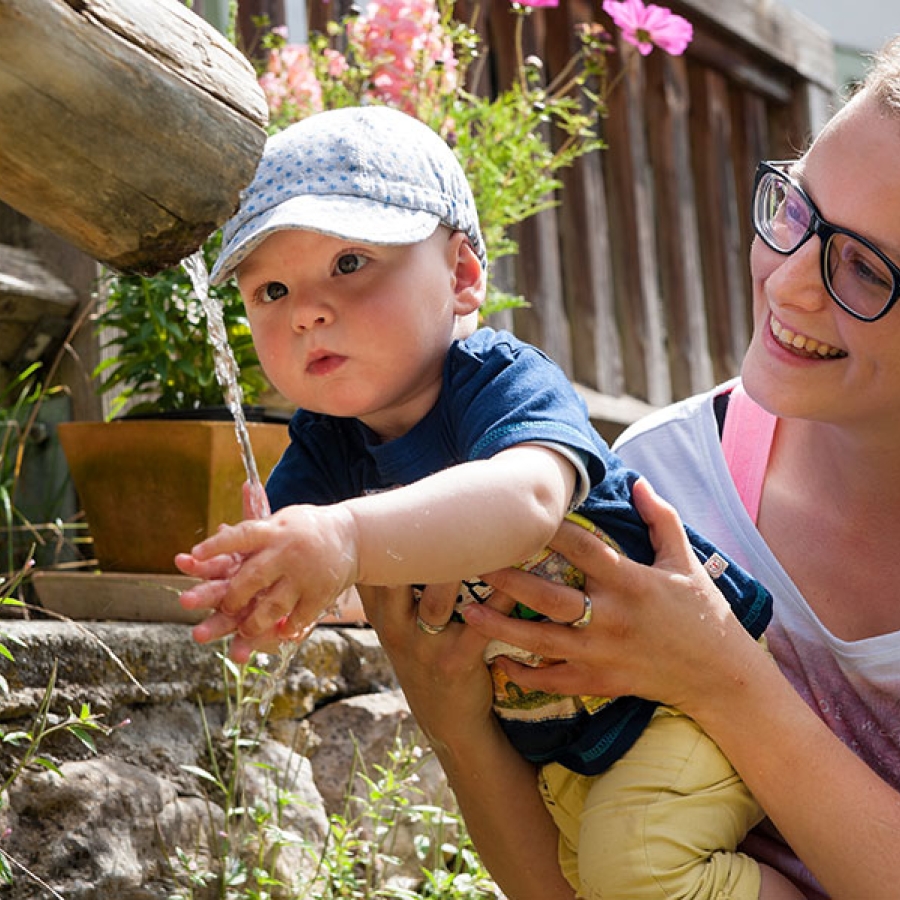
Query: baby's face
352	329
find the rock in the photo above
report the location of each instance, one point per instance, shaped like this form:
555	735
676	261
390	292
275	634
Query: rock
359	738
136	820
98	829
116	664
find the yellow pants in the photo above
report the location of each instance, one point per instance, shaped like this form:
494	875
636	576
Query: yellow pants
663	822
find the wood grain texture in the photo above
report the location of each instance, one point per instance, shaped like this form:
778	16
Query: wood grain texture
127	128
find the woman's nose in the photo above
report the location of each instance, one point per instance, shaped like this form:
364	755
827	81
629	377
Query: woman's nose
797	279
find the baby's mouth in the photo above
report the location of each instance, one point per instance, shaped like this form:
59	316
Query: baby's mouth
321	362
801	344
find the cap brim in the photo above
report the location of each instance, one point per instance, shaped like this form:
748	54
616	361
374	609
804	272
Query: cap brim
350	218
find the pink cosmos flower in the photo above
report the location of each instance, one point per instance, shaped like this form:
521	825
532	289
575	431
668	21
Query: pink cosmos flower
649	26
538	2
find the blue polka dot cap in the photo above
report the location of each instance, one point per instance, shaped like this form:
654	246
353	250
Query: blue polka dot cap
370	174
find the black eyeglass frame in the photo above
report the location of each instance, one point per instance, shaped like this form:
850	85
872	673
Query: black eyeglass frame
825	231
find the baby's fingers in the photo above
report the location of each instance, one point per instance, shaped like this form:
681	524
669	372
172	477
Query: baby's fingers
236	541
218	567
218	625
275	602
206	595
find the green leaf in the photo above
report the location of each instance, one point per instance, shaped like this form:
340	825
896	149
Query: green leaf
47	764
201	773
83	736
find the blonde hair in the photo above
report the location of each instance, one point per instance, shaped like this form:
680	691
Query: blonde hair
883	78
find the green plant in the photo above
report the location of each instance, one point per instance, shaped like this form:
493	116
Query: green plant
81	725
162	359
27	744
23	531
245	847
359	854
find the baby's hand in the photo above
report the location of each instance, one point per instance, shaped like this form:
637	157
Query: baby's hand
283	571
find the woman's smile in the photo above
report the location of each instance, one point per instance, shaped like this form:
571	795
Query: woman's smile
801	344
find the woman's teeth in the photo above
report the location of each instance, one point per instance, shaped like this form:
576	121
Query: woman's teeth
801	344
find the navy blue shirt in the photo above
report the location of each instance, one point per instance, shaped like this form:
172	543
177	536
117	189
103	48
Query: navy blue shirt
497	392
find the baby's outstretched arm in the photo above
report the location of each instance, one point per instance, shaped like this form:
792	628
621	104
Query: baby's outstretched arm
468	519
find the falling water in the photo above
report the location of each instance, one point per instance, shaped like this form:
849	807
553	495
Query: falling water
227	376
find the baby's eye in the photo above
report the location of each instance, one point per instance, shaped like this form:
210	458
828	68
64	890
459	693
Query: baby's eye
273	291
348	263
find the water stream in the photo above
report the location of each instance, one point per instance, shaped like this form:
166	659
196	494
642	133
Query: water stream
227	372
227	376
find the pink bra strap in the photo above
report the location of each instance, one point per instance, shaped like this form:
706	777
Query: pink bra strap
746	441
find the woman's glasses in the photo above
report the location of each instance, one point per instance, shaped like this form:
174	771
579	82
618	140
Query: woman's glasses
858	276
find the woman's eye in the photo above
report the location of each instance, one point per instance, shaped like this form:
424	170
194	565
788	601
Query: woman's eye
348	263
796	211
274	290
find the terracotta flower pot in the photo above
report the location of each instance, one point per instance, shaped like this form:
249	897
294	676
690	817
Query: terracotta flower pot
151	488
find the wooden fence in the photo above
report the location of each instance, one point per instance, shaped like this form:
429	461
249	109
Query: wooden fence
638	281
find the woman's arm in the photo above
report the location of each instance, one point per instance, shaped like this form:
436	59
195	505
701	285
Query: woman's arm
666	633
448	689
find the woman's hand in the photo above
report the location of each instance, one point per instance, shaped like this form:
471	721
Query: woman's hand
649	624
439	663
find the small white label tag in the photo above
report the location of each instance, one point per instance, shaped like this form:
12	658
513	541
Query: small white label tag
715	565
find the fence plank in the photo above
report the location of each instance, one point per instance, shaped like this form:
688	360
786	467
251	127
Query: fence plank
720	232
537	265
584	234
631	223
681	279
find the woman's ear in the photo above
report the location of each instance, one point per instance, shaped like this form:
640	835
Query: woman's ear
469	277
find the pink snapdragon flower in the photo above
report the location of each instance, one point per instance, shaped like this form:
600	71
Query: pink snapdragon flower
649	26
410	52
290	78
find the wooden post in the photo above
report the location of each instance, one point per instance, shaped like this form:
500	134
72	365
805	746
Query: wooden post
128	128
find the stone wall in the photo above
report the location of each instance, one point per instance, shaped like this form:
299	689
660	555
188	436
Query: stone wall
107	825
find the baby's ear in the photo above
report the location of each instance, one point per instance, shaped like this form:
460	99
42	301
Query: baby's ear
470	279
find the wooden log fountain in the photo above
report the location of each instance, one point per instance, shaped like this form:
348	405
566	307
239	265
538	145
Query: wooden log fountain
127	127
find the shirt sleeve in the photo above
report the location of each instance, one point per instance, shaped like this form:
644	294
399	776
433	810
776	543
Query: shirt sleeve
507	392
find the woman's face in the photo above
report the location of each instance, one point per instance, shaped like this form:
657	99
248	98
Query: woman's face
808	357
